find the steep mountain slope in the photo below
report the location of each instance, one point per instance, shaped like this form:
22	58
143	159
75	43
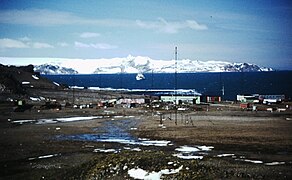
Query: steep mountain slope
16	80
54	69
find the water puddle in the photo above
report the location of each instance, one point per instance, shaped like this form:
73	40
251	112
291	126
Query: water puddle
116	132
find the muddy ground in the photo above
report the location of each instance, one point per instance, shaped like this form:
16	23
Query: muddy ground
251	141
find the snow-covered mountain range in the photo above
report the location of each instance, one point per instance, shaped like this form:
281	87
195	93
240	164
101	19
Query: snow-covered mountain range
53	69
138	64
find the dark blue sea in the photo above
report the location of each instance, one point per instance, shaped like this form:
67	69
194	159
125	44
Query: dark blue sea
276	82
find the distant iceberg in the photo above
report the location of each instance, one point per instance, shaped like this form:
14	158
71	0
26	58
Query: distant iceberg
140	76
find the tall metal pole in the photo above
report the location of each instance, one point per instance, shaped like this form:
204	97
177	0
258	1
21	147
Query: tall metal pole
152	80
175	83
121	76
222	86
73	101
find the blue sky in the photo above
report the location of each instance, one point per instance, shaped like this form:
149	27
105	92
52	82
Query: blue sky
254	31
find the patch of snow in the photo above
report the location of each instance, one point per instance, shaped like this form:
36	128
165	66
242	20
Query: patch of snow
23	121
187	149
56	120
76	87
44	157
35	77
76	118
25	82
47	156
250	161
183	156
225	155
162	126
188	152
205	148
57	84
46	121
143	139
253	161
134	149
139	173
194	149
181	109
105	150
155	143
274	163
34	99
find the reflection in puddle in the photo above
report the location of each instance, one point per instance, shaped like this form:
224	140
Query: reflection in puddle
115	132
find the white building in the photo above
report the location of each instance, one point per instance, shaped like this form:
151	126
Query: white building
180	99
272	98
248	98
131	101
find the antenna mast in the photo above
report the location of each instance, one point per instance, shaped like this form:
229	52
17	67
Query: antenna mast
73	100
175	83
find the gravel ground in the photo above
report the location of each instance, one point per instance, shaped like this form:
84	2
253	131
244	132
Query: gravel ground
32	151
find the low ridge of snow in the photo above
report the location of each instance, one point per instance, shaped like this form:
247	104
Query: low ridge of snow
57	84
35	77
138	64
25	82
